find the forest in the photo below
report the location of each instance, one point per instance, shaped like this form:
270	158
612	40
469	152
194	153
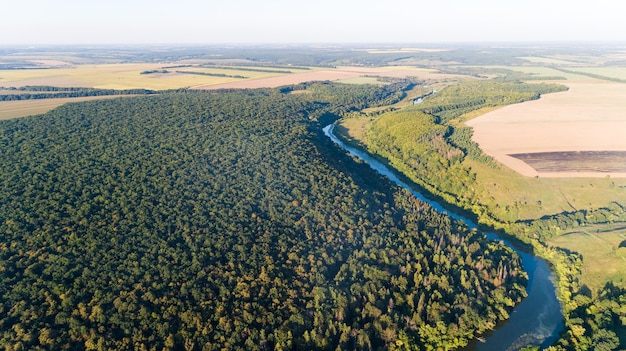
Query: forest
50	92
206	221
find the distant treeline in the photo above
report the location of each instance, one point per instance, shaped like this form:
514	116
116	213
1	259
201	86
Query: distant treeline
164	71
19	66
50	92
154	71
212	74
251	69
502	74
548	227
591	75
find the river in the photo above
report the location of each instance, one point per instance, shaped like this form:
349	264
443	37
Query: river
537	320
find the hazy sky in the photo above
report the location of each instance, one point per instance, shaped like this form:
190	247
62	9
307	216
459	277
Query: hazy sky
34	22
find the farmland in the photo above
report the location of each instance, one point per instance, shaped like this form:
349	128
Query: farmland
585	162
590	116
121	76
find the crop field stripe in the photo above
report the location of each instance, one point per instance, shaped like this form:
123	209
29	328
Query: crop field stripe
575	161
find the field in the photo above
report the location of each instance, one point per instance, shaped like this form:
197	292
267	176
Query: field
575	161
128	76
603	248
512	196
122	76
613	72
23	108
591	116
549	60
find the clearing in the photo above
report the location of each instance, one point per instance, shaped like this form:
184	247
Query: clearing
603	248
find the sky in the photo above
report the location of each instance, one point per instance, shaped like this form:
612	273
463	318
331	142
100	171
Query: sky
36	22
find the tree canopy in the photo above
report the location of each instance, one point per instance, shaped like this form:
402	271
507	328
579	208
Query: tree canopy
204	221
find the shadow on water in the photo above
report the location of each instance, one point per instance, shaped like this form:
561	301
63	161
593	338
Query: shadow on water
537	320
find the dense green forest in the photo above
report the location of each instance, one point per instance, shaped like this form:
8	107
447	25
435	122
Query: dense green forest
50	92
205	221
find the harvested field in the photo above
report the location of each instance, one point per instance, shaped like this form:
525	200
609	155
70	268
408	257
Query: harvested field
575	161
108	76
591	116
51	81
23	108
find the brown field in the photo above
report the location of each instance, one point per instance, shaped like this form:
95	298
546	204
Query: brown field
23	108
575	161
591	116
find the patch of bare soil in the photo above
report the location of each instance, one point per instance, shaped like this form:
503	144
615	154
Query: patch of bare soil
606	162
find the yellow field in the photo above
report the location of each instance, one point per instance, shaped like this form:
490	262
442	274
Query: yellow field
122	76
234	72
334	74
23	108
354	129
613	72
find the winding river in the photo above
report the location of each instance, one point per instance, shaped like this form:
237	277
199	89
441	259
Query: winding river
537	320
